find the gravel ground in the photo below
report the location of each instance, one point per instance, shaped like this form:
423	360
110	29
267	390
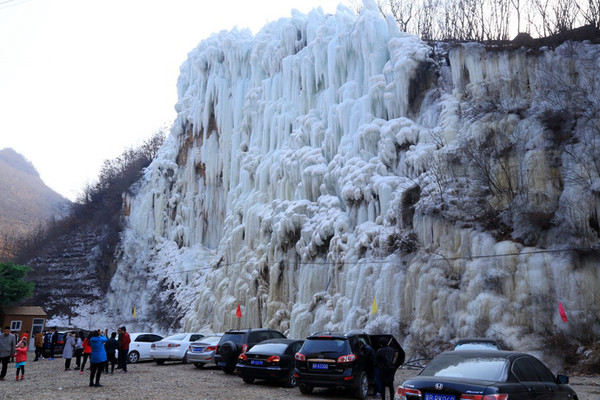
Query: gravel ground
148	381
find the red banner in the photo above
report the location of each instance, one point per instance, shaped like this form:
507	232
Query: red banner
238	312
562	312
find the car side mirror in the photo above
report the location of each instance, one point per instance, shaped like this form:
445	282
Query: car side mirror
562	379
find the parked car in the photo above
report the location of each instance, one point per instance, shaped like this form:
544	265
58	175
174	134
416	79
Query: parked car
139	348
58	347
477	344
203	351
335	360
237	341
271	359
486	375
173	348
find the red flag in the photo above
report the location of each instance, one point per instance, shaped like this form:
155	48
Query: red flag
238	312
562	312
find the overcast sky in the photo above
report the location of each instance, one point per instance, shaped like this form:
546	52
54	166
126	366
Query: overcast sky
82	80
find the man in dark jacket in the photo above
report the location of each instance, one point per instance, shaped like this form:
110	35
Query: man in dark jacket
387	363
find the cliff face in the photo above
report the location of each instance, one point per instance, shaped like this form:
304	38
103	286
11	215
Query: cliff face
26	203
332	160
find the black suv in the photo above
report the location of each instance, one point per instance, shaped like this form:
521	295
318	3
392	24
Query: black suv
237	341
333	360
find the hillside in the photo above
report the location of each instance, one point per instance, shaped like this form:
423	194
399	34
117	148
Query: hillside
25	201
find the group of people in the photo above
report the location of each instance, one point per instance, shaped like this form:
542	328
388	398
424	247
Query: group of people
96	346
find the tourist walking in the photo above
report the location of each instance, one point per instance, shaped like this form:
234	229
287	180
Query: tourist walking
97	357
52	342
388	361
7	349
21	358
68	350
124	341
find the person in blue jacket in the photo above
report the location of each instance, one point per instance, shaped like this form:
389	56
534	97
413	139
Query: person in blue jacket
98	357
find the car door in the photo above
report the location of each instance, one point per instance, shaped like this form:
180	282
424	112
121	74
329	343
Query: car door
525	372
548	378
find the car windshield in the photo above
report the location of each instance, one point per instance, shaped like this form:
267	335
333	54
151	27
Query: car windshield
324	345
179	336
468	366
269	348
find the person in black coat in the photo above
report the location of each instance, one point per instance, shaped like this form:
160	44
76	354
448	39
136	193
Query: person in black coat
111	347
388	360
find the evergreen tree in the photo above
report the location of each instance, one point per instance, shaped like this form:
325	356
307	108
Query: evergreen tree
13	287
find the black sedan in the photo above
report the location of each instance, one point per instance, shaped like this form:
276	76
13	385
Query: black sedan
272	359
486	375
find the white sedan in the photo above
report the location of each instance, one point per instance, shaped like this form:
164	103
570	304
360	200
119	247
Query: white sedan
173	348
139	348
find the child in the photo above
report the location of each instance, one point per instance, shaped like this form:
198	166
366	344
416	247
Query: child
21	358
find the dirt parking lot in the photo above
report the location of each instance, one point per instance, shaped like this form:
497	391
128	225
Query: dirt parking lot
148	381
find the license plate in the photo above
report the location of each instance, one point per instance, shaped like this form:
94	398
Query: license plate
198	349
256	362
221	364
319	366
436	396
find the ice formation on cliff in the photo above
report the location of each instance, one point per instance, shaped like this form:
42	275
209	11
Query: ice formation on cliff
302	179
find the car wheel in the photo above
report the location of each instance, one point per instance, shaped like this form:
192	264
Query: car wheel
249	381
199	365
363	386
133	357
291	379
159	362
305	389
185	360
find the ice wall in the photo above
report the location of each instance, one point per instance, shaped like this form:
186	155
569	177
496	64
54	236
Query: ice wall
317	166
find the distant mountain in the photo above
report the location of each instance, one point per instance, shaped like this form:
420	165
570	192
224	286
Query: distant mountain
25	200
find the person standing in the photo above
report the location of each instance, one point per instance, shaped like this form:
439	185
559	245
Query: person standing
68	350
111	348
7	349
38	342
87	350
98	358
21	358
78	349
387	359
53	340
124	341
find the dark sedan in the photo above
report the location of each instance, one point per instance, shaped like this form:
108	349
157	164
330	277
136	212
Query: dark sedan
486	375
272	359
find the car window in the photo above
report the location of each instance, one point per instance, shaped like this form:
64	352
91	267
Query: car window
276	335
154	338
269	348
236	338
543	372
179	336
255	337
524	371
195	337
296	347
477	346
142	338
325	345
456	364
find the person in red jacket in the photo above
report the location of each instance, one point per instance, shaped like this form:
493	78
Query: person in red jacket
21	358
124	341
